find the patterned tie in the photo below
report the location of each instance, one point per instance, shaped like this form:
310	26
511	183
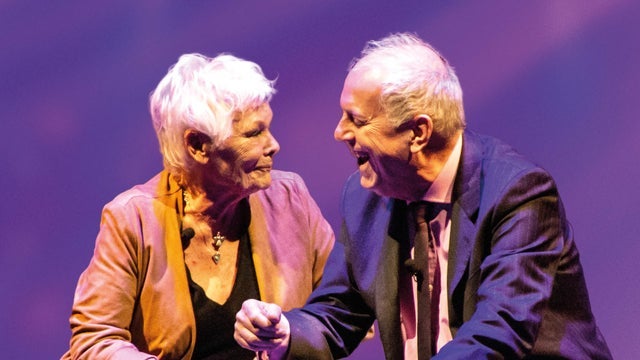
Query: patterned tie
421	267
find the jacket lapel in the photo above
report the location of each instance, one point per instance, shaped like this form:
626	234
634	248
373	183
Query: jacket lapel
466	200
395	250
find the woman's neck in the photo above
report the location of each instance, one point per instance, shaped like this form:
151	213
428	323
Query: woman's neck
216	200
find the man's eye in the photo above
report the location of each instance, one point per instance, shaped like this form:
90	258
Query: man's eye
359	122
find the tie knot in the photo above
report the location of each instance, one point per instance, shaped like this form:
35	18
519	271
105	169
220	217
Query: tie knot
419	211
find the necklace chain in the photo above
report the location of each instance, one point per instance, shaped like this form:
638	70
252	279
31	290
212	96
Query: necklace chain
218	239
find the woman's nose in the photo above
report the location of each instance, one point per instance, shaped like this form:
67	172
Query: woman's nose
273	146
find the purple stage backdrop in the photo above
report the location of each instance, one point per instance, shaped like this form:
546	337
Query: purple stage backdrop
559	80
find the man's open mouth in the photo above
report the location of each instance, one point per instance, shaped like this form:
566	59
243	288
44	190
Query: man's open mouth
362	158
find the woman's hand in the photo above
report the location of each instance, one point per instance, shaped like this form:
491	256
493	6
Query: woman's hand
261	327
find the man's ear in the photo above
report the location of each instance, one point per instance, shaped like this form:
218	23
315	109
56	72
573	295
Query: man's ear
422	129
198	145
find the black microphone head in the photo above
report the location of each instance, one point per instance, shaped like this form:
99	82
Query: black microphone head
412	268
186	235
410	265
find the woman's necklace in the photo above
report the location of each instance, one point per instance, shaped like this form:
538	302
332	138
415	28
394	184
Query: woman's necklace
217	242
218	239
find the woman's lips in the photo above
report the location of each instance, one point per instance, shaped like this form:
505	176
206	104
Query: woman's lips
264	167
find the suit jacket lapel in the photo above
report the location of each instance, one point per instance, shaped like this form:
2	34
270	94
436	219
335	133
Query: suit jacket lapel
395	246
466	200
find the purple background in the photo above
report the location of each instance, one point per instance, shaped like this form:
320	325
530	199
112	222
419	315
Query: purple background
559	80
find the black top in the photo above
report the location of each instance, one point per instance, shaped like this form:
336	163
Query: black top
214	322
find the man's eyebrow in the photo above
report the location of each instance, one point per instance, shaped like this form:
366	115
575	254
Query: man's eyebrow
355	114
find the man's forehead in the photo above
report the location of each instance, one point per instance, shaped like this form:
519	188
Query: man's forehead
367	75
361	84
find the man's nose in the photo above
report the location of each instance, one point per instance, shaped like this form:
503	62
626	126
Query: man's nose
343	131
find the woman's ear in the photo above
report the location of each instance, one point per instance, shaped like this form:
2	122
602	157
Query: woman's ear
422	130
198	145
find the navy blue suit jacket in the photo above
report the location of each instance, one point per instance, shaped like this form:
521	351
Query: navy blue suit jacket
515	284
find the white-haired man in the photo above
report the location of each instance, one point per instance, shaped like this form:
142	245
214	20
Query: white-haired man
496	270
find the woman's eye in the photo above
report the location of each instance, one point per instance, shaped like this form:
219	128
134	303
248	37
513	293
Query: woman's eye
254	133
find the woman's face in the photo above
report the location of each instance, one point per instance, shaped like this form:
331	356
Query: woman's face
243	162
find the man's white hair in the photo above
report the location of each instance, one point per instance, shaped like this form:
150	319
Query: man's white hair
418	80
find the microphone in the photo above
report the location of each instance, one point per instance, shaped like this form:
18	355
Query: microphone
414	270
186	236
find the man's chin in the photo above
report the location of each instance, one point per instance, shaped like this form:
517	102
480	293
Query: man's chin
373	184
368	180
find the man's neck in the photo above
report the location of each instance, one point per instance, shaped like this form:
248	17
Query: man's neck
430	168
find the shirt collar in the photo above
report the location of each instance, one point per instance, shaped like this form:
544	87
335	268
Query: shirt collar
442	187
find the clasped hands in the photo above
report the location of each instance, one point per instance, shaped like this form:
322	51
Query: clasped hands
262	328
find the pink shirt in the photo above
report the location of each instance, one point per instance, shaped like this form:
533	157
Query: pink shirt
439	192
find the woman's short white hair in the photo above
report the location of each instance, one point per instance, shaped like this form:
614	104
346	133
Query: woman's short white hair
204	94
413	85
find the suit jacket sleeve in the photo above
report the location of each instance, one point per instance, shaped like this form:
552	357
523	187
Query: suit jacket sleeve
521	240
334	320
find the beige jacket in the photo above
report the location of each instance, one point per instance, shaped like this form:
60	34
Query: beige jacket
133	301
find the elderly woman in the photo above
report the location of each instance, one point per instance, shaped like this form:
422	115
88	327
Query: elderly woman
175	257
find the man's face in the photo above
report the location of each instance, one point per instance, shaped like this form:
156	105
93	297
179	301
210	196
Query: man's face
244	160
382	151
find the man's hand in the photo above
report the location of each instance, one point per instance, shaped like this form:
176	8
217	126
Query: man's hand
261	327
